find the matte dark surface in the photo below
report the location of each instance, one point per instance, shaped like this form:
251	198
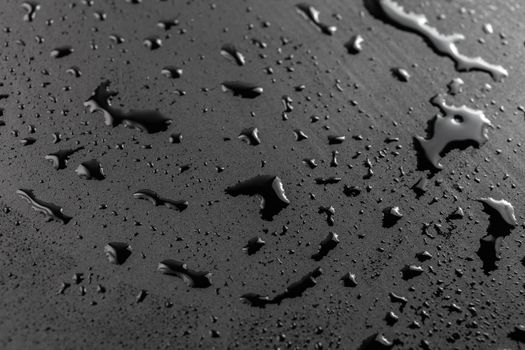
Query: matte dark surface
354	95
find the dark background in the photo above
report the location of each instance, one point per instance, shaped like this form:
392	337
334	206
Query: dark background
37	256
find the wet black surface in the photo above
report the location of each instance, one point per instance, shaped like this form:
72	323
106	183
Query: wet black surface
287	236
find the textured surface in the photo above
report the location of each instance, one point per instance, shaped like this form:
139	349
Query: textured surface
354	95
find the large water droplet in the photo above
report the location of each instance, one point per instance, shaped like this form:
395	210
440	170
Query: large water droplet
230	51
459	124
242	89
443	44
195	279
154	198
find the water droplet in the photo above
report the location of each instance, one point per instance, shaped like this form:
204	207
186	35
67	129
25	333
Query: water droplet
256	300
327	180
60	52
401	74
330	242
398	299
294	290
300	135
194	279
376	342
312	13
421	186
355	44
253	245
117	39
336	139
50	211
171	72
455	86
269	187
423	256
74	71
459	124
411	271
56	137
153	42
175	138
351	191
349	280
391	216
30	7
391	318
90	170
99	15
250	135
287	102
154	198
310	162
333	162
141	296
443	44
27	141
59	159
518	334
63	287
77	277
167	24
501	222
456	214
487	28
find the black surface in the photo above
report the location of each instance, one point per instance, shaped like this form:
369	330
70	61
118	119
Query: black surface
353	95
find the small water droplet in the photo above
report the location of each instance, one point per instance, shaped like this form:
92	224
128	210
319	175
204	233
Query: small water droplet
349	280
194	279
411	271
60	158
242	89
167	24
74	71
254	245
401	74
269	187
50	211
326	245
250	135
156	200
503	208
117	252
171	72
150	121
60	52
90	169
153	42
455	86
312	13
355	44
230	51
30	7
